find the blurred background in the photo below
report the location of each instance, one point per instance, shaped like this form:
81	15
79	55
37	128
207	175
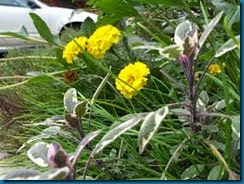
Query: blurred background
67	3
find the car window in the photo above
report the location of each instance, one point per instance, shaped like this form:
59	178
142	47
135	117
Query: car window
16	3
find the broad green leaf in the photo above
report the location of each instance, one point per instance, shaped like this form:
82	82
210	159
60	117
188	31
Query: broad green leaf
231	10
108	19
70	100
171	52
55	174
88	27
216	173
208	29
39	77
43	29
163	2
111	135
38	154
117	7
233	15
236	125
192	172
22	34
22	174
184	30
222	5
228	46
150	126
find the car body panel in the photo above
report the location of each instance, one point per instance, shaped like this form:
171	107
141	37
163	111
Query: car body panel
56	18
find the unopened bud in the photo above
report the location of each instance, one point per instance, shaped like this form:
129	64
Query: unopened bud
184	59
57	157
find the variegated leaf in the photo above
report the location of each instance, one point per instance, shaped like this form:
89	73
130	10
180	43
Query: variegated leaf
38	154
115	133
216	173
127	117
150	126
80	109
184	30
171	52
70	99
228	46
56	174
236	125
221	104
22	174
82	145
50	121
208	29
192	172
203	98
46	133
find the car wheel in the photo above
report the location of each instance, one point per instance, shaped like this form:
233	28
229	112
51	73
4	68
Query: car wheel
69	32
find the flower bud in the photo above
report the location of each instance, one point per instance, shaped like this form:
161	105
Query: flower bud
57	157
184	59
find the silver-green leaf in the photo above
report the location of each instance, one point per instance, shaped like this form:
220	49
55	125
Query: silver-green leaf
38	154
70	99
22	174
203	98
216	173
208	29
150	126
236	125
55	174
46	133
192	171
171	52
82	145
228	46
184	30
115	133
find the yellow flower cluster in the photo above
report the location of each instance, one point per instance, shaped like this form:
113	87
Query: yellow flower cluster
97	45
73	48
214	69
132	78
102	40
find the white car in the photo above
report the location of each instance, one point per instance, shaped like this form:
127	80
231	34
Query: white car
15	13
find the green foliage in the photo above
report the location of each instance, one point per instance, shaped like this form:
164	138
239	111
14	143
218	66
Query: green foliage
83	96
43	29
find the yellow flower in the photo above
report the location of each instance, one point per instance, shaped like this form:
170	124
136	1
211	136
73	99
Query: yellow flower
101	40
73	48
135	75
214	69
